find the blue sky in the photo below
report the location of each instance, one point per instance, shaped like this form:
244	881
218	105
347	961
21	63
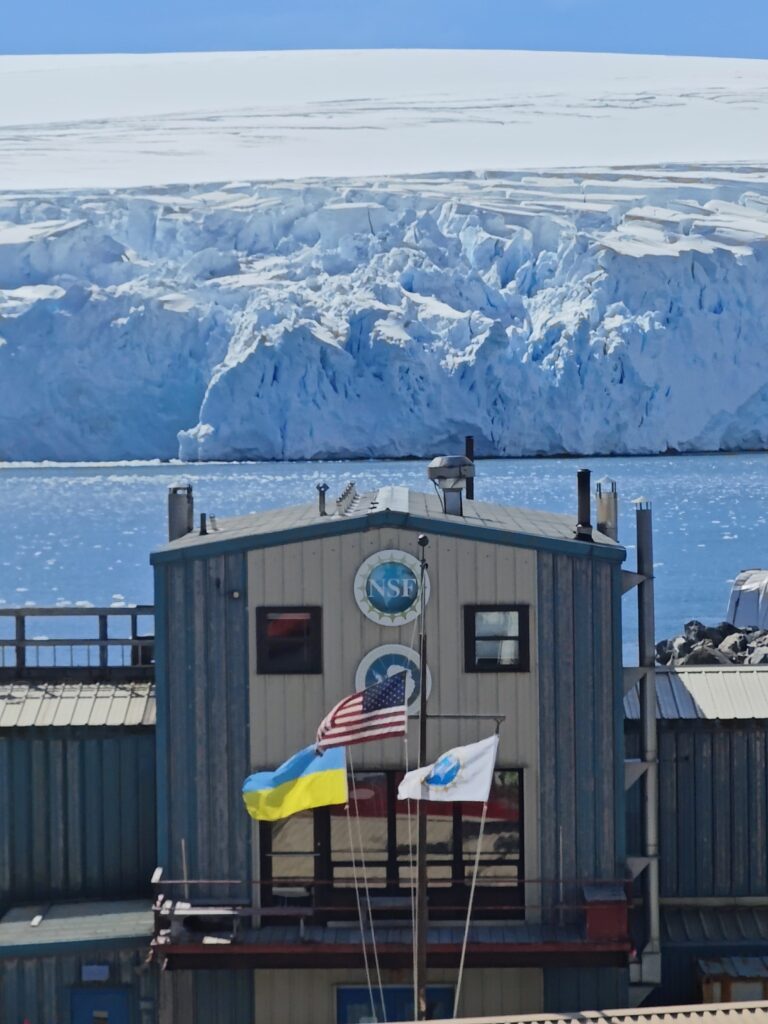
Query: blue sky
736	28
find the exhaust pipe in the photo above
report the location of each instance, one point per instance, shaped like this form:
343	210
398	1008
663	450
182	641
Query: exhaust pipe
607	508
180	511
584	524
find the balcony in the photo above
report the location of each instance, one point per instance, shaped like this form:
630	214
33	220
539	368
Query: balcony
191	932
72	643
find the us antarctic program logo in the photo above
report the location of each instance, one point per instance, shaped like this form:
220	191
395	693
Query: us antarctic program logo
387	587
388	660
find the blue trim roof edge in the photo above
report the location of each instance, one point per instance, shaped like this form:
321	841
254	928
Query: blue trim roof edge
386	517
34	951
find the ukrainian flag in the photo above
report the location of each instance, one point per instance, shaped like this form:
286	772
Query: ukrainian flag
305	780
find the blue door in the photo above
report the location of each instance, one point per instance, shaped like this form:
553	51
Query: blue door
353	1003
100	1006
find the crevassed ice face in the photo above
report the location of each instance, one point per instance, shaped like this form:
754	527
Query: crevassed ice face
392	588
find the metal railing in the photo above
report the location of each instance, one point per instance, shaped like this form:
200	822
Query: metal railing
77	641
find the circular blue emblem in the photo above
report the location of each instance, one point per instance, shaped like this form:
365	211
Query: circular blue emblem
444	771
391	587
388	587
386	661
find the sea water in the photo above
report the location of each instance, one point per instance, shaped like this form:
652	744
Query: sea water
83	534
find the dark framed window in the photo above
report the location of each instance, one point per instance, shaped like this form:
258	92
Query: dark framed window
496	638
289	641
313	858
353	1003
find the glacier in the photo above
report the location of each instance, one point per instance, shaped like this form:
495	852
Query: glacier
374	254
601	311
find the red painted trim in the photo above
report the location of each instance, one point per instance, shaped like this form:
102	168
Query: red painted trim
324	955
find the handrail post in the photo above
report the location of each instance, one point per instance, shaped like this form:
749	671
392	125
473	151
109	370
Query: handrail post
21	636
103	647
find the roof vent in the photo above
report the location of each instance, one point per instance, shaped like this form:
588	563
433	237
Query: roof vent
346	499
449	474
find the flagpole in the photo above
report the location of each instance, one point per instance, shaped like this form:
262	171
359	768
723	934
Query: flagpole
422	908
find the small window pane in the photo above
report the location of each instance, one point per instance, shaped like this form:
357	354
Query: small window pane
744	991
500	850
439	841
288	641
500	652
368	824
496	624
293	841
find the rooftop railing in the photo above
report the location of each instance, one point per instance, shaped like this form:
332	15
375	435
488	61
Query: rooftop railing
77	642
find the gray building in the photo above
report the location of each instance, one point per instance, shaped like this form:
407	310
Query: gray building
266	622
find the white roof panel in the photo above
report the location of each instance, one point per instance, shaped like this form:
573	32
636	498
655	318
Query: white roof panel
707	692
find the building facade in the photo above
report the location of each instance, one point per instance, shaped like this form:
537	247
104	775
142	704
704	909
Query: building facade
264	624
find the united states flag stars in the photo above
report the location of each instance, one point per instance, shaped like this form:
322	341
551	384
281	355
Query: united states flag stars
376	713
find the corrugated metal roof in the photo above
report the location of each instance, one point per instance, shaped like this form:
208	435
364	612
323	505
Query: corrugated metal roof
718	925
709	692
712	1013
734	967
44	705
478	515
65	925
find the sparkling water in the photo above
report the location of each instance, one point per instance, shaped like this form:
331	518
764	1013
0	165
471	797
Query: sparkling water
83	534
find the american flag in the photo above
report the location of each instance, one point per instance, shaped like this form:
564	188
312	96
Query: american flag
379	711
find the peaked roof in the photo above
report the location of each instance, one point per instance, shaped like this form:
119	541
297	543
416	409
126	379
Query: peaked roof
397	507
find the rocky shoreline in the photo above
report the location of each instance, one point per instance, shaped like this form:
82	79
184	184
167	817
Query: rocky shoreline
724	644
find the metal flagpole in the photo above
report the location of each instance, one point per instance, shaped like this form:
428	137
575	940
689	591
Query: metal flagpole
422	909
469	911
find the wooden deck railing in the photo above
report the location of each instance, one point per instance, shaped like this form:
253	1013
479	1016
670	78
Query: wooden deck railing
85	642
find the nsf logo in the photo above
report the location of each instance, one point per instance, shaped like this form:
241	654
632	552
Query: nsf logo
387	588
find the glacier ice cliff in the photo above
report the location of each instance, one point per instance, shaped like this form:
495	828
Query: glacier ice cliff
605	311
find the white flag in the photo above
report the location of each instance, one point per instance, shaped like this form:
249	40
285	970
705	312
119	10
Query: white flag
464	773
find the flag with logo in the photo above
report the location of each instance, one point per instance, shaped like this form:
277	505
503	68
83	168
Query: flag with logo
306	780
379	711
464	773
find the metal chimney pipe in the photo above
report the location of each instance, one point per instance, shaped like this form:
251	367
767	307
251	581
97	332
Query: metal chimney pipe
203	524
607	508
469	451
180	511
647	657
584	524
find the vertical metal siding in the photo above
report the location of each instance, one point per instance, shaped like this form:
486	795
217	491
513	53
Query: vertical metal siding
571	989
37	989
204	997
77	814
203	722
579	698
713	808
309	997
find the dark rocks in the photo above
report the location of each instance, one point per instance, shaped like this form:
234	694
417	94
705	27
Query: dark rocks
723	644
705	653
734	645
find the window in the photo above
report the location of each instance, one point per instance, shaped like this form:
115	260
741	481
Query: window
353	1003
496	638
288	641
314	858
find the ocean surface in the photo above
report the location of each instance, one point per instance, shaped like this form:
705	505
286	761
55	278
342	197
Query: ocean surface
83	534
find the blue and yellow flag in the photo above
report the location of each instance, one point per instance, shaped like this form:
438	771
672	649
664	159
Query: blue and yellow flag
305	780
